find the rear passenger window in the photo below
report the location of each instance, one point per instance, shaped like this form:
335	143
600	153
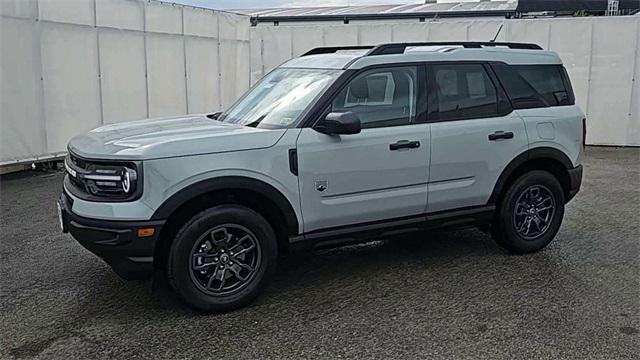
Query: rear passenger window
461	91
532	86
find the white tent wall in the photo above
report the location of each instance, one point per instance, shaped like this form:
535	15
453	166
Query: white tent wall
67	66
601	55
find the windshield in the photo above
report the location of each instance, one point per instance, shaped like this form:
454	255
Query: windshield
279	99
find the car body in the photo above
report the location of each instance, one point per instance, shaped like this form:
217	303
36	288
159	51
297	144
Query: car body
337	145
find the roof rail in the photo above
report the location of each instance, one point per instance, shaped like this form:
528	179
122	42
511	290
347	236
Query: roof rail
333	49
399	48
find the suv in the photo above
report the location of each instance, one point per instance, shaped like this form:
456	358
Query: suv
338	145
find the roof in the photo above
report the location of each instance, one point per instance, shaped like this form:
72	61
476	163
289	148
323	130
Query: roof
525	54
431	9
573	5
364	12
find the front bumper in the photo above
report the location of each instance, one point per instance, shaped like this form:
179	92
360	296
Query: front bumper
116	242
575	181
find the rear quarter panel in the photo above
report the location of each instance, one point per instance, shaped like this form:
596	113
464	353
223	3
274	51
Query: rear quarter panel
558	127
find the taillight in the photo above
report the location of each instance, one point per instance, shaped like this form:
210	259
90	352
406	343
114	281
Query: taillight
584	132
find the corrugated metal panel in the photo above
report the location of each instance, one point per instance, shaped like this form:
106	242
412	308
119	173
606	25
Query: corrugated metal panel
572	5
417	9
442	9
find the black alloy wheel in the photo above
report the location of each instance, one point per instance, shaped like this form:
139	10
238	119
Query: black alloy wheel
222	258
225	259
529	213
534	211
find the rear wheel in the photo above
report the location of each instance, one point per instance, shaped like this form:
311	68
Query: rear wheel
530	213
221	259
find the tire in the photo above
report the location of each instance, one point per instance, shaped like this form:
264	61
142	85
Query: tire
202	254
523	225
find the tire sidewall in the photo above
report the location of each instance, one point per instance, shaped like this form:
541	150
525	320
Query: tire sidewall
179	266
509	236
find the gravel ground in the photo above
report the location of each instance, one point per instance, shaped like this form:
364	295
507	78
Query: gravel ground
447	295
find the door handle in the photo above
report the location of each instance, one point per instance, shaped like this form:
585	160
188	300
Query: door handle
404	144
501	135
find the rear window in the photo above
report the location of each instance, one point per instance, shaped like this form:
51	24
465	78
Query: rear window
532	86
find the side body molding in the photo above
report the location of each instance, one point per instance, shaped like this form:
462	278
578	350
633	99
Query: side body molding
229	183
531	154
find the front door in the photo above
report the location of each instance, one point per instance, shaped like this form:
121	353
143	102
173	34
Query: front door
380	173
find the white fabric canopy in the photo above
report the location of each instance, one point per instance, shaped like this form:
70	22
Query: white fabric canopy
68	66
85	63
601	54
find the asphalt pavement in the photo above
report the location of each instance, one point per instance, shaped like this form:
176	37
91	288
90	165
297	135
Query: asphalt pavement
449	295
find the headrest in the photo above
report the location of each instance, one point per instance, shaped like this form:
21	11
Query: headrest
359	89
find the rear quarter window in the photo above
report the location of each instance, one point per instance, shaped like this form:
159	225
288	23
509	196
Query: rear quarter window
533	86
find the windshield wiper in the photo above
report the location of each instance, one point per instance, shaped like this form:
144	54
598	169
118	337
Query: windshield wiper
256	122
215	116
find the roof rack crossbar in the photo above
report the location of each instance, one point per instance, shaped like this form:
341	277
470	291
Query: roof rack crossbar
399	48
333	49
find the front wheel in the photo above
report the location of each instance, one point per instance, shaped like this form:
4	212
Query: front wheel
530	213
221	259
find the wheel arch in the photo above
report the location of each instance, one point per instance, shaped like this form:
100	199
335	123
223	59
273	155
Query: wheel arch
239	190
541	158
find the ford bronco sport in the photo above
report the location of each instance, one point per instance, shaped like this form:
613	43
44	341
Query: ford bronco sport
339	144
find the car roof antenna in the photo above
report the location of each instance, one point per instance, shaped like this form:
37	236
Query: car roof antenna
497	33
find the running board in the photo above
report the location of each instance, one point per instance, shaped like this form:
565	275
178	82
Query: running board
454	219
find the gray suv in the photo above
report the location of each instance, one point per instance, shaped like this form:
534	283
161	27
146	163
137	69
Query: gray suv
338	145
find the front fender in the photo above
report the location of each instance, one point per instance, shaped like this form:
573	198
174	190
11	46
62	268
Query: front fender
172	180
196	189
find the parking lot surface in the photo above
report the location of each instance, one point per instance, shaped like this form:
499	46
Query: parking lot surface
444	295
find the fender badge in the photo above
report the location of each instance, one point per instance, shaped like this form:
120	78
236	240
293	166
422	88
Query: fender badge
322	185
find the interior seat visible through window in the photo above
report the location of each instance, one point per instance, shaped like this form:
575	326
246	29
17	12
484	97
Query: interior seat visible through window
463	91
380	97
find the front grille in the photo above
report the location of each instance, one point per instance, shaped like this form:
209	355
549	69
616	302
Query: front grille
102	180
77	166
78	162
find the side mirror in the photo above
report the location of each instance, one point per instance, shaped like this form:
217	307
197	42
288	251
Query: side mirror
339	123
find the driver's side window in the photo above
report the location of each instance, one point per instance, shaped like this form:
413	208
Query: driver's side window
380	97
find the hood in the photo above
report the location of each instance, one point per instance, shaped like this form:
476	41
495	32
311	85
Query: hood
169	137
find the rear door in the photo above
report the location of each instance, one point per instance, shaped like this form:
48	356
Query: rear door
380	173
474	134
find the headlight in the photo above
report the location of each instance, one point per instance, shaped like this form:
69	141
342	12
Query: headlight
111	180
101	180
